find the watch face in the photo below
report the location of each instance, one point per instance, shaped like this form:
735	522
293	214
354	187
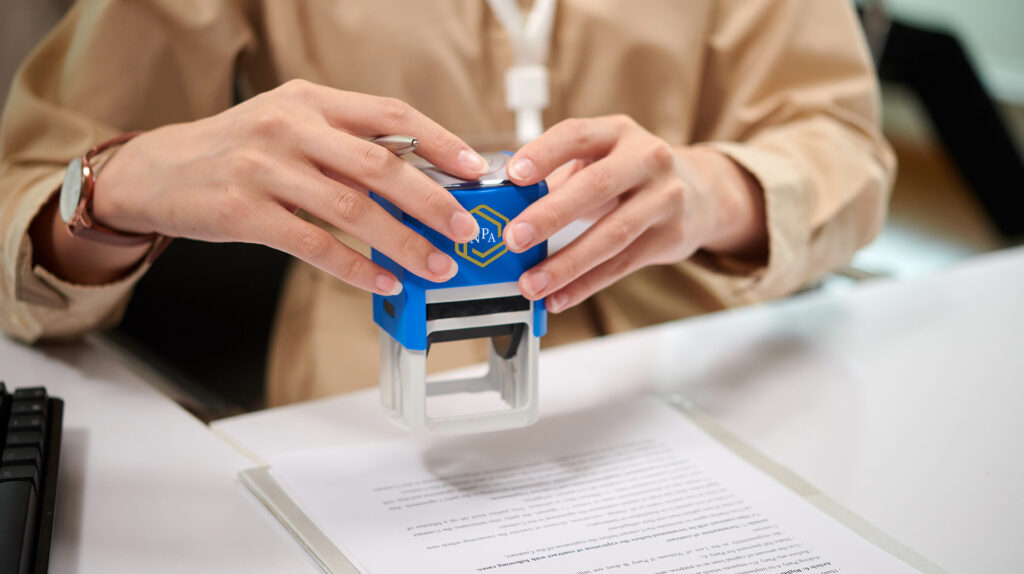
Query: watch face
71	190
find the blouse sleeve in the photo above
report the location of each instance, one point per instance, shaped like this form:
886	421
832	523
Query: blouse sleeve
790	94
110	66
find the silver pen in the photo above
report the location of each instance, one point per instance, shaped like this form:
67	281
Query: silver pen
398	145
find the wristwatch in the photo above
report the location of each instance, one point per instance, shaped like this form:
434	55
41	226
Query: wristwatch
76	200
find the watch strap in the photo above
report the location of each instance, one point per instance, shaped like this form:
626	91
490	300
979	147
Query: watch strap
85	225
103	146
103	234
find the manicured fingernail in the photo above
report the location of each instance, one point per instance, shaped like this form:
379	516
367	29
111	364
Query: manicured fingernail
464	226
387	285
536	281
557	302
472	161
521	169
519	235
441	264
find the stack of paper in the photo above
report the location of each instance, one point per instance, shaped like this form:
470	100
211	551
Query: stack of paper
634	487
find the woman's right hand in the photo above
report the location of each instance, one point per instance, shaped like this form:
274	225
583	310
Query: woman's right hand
241	176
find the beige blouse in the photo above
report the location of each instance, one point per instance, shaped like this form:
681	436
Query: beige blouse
783	87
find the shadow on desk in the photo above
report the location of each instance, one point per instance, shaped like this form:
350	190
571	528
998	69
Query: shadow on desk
202	317
70	496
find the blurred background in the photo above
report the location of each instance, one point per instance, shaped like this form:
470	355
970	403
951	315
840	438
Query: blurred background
953	108
953	92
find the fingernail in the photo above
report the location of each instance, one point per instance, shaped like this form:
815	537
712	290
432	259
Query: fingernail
536	281
557	302
387	286
464	226
441	264
472	161
519	235
521	169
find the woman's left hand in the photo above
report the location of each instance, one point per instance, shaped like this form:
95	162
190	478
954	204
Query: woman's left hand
655	204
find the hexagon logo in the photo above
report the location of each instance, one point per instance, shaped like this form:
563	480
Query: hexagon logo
488	245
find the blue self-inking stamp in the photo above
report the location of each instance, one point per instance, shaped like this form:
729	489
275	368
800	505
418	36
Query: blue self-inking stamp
481	301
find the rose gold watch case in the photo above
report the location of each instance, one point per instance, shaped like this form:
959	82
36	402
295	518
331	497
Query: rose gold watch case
76	201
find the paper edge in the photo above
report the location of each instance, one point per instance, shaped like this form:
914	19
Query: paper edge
263	485
804	489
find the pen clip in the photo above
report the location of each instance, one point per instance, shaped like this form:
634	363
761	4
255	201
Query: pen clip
397	144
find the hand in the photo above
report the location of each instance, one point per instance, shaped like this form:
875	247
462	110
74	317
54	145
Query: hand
655	204
241	176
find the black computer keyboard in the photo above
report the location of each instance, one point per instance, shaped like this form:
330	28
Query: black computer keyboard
30	432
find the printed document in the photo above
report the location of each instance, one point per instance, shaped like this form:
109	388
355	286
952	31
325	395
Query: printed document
631	487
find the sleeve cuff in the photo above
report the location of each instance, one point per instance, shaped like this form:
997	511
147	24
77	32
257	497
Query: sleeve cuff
736	281
47	305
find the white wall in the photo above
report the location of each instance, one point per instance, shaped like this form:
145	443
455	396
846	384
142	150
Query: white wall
993	31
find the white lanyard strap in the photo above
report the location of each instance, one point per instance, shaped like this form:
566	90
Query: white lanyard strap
526	82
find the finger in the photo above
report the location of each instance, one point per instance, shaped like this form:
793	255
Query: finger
623	263
373	167
371	116
356	213
610	235
558	178
344	180
564	173
594	185
569	139
314	245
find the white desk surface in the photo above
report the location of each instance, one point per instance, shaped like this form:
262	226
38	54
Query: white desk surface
901	400
143	485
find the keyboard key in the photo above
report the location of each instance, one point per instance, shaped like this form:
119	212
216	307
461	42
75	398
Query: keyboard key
23	472
26	423
29	421
29	407
25	438
30	393
18	529
21	455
